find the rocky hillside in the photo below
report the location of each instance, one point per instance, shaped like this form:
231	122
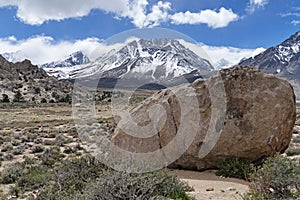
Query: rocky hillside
282	60
23	81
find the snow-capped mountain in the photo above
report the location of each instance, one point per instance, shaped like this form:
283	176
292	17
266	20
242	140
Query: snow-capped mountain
282	60
155	60
77	58
222	64
14	57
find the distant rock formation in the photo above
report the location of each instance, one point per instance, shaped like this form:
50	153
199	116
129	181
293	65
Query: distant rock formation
242	112
24	82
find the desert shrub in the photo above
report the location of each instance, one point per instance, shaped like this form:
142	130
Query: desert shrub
37	90
25	78
61	140
51	156
293	151
18	97
122	185
43	100
277	178
34	178
296	140
87	178
235	168
12	173
71	177
65	99
5	98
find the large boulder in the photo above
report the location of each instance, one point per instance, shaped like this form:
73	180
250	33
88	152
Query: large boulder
239	112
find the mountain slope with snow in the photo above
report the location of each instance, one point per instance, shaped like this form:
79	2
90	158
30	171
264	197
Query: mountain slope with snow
77	58
14	57
155	60
282	60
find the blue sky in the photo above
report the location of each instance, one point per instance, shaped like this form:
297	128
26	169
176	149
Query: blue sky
243	24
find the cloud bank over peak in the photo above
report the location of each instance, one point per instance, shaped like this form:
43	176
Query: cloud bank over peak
44	49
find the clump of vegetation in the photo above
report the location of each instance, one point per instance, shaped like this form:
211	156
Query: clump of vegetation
235	168
296	140
88	178
12	174
293	151
43	100
51	156
122	185
277	178
34	177
18	97
5	98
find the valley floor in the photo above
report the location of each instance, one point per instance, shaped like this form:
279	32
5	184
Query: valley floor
28	131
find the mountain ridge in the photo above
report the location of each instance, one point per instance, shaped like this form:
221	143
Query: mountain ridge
76	58
282	60
153	60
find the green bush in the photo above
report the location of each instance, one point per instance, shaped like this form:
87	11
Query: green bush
34	178
235	168
121	185
51	156
87	178
12	173
277	178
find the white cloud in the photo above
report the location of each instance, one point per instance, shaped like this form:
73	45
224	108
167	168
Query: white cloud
255	4
295	22
294	14
37	12
158	14
210	17
137	11
216	53
12	38
43	49
290	14
231	54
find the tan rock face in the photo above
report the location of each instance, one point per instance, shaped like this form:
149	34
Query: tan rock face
241	112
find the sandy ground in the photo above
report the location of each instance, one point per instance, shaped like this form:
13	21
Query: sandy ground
209	186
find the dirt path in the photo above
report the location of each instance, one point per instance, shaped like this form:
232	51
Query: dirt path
209	186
